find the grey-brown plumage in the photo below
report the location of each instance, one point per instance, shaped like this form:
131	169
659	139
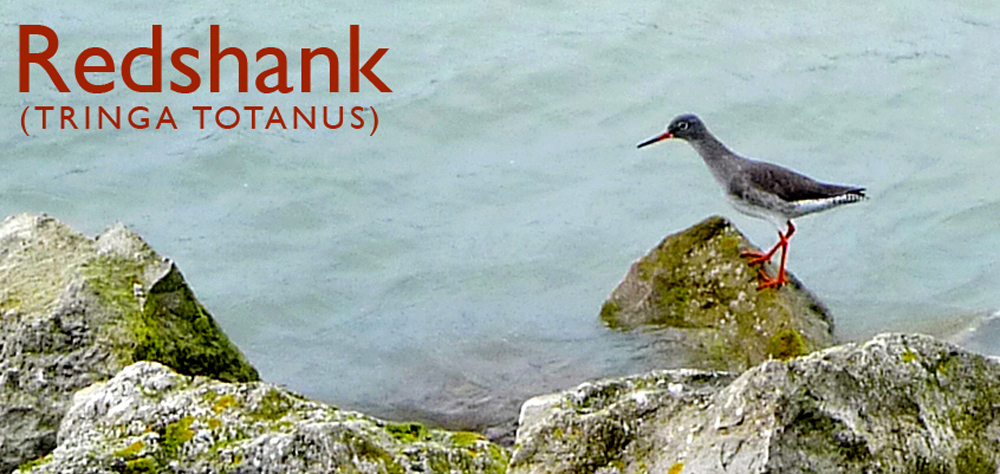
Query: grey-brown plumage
757	188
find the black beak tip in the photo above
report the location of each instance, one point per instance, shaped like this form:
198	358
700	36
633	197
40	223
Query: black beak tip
655	139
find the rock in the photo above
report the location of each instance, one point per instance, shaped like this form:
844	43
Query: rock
77	310
602	424
703	297
150	419
896	403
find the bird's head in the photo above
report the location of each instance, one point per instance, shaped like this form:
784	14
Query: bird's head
685	127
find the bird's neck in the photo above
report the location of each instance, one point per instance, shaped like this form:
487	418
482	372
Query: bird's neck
712	150
723	163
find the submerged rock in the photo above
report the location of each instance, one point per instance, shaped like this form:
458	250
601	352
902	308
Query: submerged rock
896	403
77	310
150	419
703	298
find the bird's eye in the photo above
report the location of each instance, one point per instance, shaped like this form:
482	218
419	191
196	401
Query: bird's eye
682	126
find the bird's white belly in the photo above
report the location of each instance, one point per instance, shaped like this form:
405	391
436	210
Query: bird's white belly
744	207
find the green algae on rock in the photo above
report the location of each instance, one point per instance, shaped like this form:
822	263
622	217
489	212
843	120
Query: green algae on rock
77	310
896	403
148	418
695	284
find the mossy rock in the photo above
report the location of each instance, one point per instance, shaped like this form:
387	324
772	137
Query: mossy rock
696	284
149	418
76	310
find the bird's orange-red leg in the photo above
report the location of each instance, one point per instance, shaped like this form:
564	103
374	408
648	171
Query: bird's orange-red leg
765	280
758	257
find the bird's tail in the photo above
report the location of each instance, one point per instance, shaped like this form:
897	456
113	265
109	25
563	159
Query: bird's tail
808	206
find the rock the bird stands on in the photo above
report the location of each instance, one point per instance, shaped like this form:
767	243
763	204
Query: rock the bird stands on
760	189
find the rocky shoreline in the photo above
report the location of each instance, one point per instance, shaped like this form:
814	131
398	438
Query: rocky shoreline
895	403
108	364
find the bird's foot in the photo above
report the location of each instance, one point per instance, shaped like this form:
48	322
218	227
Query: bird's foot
756	258
765	281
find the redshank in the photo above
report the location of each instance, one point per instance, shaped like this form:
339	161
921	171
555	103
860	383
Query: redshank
759	189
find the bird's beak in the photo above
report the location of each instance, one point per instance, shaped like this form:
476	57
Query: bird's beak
662	136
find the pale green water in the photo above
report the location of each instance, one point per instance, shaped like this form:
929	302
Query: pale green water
455	262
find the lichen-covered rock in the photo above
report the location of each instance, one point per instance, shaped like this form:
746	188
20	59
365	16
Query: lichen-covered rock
77	310
148	418
896	403
602	425
703	296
